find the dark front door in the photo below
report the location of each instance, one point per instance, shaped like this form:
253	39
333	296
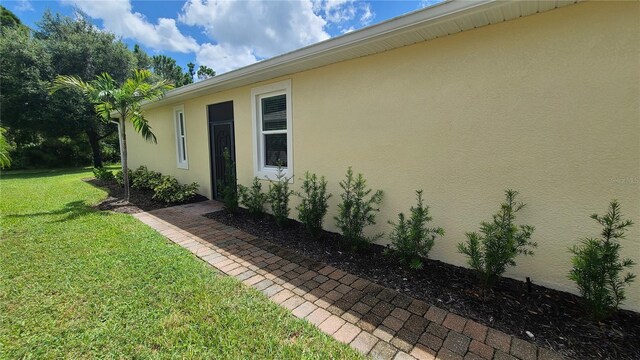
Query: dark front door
220	137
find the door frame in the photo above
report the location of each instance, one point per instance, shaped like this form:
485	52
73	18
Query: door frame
210	140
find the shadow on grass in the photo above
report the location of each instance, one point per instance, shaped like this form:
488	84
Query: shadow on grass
71	210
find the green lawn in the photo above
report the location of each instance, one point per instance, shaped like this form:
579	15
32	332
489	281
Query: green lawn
79	283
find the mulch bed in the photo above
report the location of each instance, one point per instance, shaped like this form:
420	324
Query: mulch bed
555	318
139	200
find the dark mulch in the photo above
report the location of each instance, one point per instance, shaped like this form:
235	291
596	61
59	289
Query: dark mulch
139	200
555	318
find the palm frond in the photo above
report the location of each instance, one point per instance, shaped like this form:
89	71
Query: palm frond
70	82
104	110
142	75
5	158
141	125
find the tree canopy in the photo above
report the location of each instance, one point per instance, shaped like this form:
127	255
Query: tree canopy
9	19
205	72
61	45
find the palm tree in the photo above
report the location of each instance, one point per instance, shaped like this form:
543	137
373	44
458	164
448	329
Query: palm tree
124	101
5	158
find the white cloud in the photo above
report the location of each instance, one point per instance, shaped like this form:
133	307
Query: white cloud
347	30
240	32
342	11
338	11
118	17
268	28
367	14
247	31
425	3
23	5
224	57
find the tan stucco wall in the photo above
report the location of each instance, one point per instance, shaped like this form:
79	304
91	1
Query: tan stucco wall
548	105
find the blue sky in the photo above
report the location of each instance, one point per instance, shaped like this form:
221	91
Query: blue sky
223	35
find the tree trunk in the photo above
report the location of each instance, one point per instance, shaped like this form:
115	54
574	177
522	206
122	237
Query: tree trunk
123	157
94	141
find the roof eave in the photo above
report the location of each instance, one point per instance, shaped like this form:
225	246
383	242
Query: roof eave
448	11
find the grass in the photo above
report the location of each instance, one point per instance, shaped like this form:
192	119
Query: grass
80	283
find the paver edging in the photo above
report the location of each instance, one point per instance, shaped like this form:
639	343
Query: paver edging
352	309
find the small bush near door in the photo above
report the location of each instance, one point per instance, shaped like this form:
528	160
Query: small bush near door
103	174
597	267
499	242
144	179
357	209
170	191
313	206
278	196
120	178
253	197
411	238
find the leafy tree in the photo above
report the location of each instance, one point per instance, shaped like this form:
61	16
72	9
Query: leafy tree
10	20
597	267
124	101
77	48
191	69
30	61
142	60
25	70
205	72
412	238
499	242
168	69
357	209
38	122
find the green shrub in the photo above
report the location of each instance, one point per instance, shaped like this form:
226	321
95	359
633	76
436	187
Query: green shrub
229	186
411	238
119	177
357	209
597	267
278	197
499	242
145	179
169	191
253	198
52	153
313	206
103	174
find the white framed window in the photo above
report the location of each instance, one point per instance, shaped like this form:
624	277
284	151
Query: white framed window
181	137
272	140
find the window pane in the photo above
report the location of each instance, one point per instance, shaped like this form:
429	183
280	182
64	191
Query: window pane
275	149
181	125
274	113
184	150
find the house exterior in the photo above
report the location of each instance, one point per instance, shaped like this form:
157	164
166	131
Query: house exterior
463	100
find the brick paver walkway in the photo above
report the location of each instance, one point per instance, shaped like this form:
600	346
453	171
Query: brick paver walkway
375	320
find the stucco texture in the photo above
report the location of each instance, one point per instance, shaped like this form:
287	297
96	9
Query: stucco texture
548	105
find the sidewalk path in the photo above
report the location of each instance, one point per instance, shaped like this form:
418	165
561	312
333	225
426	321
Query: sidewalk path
375	320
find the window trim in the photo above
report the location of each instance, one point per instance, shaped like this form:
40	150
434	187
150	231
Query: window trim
181	164
257	93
